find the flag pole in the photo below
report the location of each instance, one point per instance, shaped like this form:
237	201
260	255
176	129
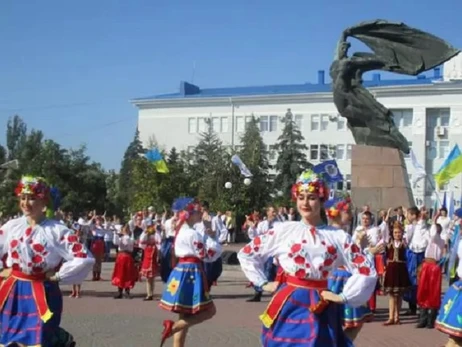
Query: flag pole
434	190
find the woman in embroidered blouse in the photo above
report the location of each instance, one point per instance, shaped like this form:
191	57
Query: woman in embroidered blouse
150	242
308	251
339	213
186	292
125	273
36	247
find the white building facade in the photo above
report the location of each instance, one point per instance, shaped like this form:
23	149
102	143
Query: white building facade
427	110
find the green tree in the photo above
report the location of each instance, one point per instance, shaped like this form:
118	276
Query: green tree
16	133
210	167
132	154
255	157
291	159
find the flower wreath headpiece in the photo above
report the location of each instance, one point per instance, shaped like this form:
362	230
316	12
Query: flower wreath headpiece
311	183
335	206
38	188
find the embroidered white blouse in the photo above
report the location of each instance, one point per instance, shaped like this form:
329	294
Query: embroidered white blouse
312	253
192	243
125	243
44	248
154	239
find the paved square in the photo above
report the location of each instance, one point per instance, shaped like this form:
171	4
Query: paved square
97	320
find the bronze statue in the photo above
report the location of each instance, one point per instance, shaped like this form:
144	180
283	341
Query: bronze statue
396	48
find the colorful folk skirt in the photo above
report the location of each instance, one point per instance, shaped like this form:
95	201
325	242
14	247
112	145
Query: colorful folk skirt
167	257
449	319
396	281
429	288
149	267
187	289
352	316
297	317
30	312
125	273
413	260
213	271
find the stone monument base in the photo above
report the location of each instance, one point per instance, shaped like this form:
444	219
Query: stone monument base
379	178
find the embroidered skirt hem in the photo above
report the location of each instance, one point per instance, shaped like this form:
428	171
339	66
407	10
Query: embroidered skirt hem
353	317
186	290
449	320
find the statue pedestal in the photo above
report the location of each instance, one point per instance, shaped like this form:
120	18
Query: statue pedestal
379	178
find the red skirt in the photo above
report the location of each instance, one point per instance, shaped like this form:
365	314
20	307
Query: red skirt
149	267
97	248
125	274
429	287
379	260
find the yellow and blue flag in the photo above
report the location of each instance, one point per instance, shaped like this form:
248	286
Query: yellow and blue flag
451	167
154	156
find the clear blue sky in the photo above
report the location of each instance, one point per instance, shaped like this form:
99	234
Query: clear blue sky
69	68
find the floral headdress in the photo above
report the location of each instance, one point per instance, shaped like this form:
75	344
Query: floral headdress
311	183
38	188
185	206
335	206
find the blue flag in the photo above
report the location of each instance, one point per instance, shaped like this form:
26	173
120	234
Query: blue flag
330	171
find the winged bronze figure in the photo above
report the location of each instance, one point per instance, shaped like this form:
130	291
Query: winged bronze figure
395	47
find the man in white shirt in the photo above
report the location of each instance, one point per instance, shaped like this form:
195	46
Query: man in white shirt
368	236
417	236
218	226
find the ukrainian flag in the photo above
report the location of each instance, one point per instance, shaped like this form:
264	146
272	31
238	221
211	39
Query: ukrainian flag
156	158
451	167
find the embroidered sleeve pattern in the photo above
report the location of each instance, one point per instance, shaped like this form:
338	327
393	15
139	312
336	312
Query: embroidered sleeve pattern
208	249
254	255
78	260
360	286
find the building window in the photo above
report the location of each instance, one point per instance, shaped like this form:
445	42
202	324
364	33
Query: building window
348	151
340	185
192	125
273	124
248	119
224	124
410	147
314	122
314	152
272	154
443	149
239	124
299	120
438	117
264	126
340	152
324	122
341	123
403	118
216	124
324	152
348	182
201	125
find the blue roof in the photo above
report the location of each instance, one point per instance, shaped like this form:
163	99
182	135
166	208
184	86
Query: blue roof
191	91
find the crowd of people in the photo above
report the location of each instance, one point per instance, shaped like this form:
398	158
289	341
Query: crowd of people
322	263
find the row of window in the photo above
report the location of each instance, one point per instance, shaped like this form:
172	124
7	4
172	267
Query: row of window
318	122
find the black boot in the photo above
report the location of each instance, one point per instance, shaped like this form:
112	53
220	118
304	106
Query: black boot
256	298
432	314
423	319
412	311
119	295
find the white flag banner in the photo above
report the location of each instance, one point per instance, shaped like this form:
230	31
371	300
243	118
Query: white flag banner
419	171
